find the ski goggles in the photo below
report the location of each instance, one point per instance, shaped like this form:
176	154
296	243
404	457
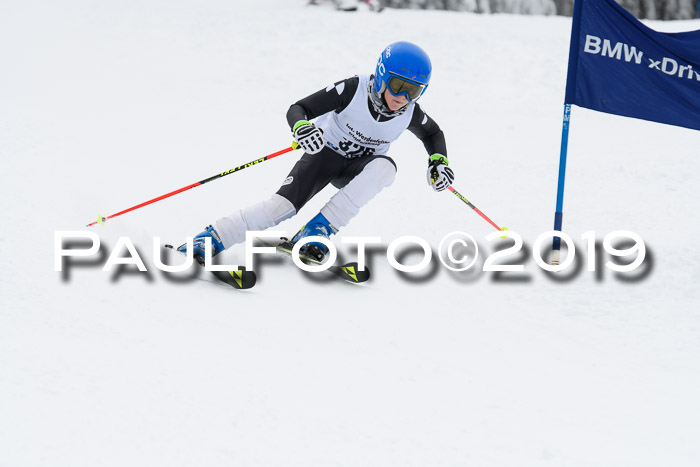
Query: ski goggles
400	86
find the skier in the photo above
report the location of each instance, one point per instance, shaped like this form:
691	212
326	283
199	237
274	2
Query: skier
357	119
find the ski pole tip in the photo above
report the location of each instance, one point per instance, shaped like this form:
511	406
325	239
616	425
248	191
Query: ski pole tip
504	228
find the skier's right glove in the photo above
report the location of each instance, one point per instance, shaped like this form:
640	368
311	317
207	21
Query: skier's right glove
309	138
439	175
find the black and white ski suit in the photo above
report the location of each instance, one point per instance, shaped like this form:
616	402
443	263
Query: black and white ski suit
357	138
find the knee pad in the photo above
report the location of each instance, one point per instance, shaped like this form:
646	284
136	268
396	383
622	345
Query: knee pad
259	216
383	170
346	204
270	212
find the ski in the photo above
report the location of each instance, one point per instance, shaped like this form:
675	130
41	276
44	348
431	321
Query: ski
239	279
349	272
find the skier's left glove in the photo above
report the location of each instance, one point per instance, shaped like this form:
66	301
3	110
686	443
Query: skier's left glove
440	176
309	138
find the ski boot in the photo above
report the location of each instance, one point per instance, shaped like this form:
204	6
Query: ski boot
318	226
198	245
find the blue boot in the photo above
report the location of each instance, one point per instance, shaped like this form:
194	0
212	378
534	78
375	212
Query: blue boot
320	226
198	245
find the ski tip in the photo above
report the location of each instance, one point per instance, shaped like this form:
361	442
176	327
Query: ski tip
353	273
238	279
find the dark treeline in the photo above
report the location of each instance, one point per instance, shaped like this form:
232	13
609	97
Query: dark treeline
642	9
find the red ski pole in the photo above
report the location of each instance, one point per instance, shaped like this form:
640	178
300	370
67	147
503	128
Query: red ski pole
476	210
101	220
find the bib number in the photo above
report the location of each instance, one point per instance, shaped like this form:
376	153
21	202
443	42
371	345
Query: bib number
353	150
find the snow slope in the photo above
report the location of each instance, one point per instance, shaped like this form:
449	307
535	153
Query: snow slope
105	105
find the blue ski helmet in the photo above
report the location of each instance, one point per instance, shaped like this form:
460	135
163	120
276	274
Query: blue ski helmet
404	69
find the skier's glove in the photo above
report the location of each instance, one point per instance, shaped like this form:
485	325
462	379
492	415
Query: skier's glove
440	176
309	138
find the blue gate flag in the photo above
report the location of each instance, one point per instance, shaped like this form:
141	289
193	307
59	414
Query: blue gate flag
620	66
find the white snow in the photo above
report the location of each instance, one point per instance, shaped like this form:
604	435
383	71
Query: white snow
105	105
